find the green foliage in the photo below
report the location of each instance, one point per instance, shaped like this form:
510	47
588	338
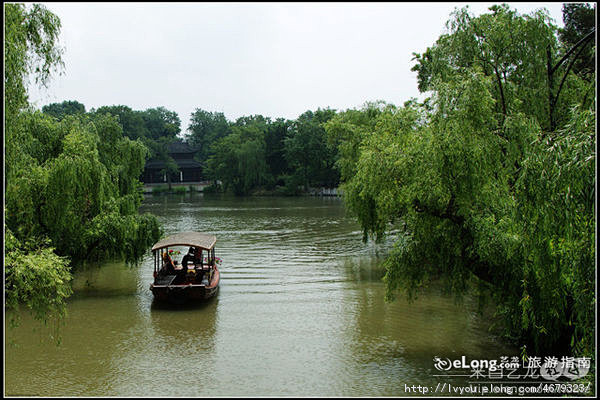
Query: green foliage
346	130
30	50
70	190
180	189
34	275
307	152
291	185
130	120
112	234
579	20
484	194
205	129
36	278
155	128
556	198
160	151
71	184
256	153
160	189
496	44
60	110
211	189
275	149
161	122
239	159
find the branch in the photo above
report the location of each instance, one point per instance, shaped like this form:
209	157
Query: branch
498	78
555	100
585	38
448	213
478	268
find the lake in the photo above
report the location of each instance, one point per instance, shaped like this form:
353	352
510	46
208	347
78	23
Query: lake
300	312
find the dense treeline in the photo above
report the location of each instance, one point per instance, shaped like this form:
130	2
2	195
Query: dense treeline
491	179
252	153
72	178
155	127
255	152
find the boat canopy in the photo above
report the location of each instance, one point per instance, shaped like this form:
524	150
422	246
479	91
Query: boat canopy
195	239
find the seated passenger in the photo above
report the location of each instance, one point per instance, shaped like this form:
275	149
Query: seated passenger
198	259
168	264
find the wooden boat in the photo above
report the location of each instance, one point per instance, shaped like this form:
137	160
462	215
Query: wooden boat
195	277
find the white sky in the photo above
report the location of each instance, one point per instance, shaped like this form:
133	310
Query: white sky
274	59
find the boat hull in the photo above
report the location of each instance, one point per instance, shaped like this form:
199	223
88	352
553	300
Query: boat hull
180	293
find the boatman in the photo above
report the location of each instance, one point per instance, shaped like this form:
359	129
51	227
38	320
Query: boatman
194	255
190	256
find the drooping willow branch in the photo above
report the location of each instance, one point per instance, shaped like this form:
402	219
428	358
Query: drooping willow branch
553	99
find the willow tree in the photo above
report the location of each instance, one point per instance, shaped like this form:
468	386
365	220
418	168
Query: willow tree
72	189
486	195
34	274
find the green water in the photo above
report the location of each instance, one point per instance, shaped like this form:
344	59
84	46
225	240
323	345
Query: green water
300	312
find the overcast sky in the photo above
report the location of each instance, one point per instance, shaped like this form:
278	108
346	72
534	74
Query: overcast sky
274	59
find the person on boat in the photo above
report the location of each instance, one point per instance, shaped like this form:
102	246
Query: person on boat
193	257
190	256
198	259
199	262
168	264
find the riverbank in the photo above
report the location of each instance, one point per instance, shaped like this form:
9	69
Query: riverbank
178	187
207	187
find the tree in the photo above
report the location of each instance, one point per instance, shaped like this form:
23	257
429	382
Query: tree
346	130
306	149
35	276
161	122
275	150
580	55
161	128
161	151
497	43
131	121
239	158
60	110
556	212
72	189
579	20
485	194
31	50
205	129
82	194
261	153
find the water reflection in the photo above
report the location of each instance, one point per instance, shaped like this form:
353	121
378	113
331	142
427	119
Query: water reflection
111	278
172	351
83	362
399	339
185	326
